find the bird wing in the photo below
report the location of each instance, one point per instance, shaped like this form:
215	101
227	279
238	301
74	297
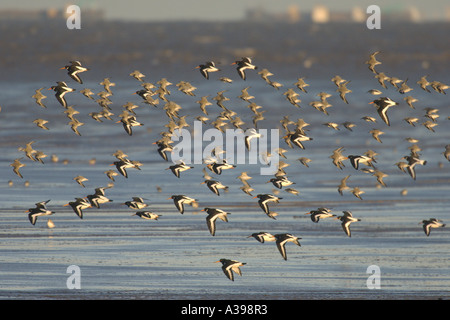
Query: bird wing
228	272
32	217
426	228
211	222
263	205
346	228
282	249
179	204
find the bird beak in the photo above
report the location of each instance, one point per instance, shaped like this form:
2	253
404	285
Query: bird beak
168	198
255	197
216	261
371	102
134	93
203	182
27	211
62	68
118	121
197	67
65	205
308	213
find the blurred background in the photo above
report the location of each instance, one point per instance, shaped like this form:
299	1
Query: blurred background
171	37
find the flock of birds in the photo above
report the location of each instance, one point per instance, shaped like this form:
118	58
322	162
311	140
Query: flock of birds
152	94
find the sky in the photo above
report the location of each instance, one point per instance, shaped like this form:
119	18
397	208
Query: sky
162	10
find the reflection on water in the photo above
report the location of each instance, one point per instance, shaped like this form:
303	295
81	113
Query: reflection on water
121	255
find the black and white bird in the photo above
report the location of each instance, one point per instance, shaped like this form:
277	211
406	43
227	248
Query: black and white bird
73	69
147	215
214	186
413	160
178	168
60	91
124	164
263	236
98	197
357	160
206	68
320	213
346	220
128	122
281	181
228	266
213	215
79	205
297	138
218	167
431	223
264	199
137	203
180	200
383	104
39	210
244	64
282	239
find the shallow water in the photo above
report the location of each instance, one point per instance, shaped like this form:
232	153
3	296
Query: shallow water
124	257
